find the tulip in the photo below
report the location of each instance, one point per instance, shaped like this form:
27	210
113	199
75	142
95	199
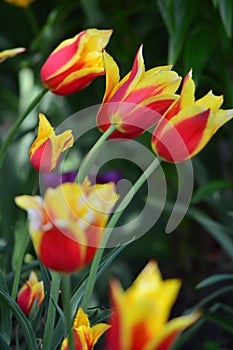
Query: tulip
20	3
135	103
140	314
31	291
85	337
188	125
76	62
66	226
11	53
46	150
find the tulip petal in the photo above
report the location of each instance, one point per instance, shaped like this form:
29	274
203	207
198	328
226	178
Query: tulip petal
10	53
181	138
81	319
98	330
210	101
172	330
112	75
127	84
46	150
162	83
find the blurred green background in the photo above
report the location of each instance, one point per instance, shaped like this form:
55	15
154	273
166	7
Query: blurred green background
188	34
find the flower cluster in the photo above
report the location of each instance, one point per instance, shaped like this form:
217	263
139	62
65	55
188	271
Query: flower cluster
67	225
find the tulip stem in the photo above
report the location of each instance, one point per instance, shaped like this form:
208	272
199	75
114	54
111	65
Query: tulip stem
24	243
54	294
85	166
17	124
66	292
109	228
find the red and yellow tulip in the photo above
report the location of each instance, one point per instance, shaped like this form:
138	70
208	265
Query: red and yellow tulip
135	103
140	314
31	291
85	336
46	150
188	125
66	226
76	62
11	53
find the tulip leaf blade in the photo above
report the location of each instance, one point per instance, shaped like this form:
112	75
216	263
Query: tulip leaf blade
4	345
26	326
177	16
210	189
225	8
209	281
5	315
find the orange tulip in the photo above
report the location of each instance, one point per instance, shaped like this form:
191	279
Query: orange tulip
140	314
31	291
46	150
66	226
85	337
188	125
135	103
76	62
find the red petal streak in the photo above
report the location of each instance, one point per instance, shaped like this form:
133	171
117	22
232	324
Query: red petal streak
120	93
41	158
160	106
166	343
59	58
179	142
113	340
140	336
24	301
73	86
142	94
135	119
58	252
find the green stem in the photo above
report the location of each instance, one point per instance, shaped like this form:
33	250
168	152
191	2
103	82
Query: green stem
32	20
109	228
24	243
66	292
18	123
84	169
54	294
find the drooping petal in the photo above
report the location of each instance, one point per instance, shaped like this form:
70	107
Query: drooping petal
10	53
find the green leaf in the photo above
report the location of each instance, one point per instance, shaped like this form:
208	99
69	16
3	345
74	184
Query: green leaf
209	281
177	15
225	8
197	55
213	296
215	3
221	321
77	296
99	316
216	230
210	189
5	315
4	345
26	326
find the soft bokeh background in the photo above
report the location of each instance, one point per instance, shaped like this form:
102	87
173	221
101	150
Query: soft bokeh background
187	34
